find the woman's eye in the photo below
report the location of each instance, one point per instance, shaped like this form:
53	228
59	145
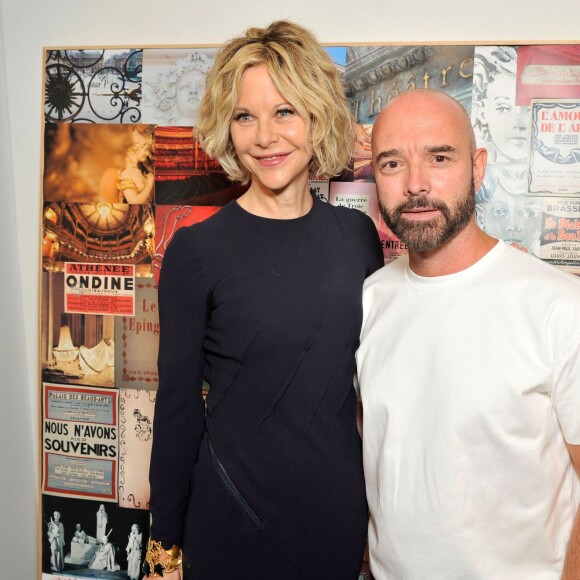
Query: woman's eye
286	112
243	117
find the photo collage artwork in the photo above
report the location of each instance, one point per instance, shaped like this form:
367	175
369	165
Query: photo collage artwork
123	170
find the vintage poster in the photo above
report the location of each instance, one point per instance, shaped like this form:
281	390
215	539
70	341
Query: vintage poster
99	288
93	85
94	163
91	539
75	348
100	233
548	71
80	442
138	341
560	241
554	162
168	219
136	409
363	196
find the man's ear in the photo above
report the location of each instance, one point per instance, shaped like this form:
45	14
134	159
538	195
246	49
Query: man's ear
479	165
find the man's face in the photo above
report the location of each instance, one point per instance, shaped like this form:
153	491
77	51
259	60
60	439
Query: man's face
424	169
56	516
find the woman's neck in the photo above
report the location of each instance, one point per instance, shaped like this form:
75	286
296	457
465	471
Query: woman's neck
290	204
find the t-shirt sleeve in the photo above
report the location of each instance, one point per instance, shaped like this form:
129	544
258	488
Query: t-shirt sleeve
179	407
566	394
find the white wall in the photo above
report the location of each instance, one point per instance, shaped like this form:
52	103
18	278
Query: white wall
26	26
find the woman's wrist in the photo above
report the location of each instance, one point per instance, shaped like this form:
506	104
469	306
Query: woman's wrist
159	561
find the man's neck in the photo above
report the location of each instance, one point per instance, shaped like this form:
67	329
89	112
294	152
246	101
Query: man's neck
455	255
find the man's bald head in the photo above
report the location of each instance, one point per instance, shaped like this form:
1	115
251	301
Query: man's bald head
407	104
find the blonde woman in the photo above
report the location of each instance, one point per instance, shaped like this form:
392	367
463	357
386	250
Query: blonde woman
263	301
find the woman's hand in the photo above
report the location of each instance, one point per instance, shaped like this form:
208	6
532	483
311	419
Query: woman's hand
175	575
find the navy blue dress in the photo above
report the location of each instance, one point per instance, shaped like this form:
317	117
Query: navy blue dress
266	482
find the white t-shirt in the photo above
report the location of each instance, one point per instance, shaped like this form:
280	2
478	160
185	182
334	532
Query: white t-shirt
470	383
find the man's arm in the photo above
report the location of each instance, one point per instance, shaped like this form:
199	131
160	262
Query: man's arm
572	564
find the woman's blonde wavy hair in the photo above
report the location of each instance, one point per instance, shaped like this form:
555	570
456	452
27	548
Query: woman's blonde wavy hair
302	72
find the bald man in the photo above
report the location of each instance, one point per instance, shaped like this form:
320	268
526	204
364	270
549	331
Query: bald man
469	369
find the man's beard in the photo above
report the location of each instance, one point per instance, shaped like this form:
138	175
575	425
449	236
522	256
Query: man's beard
424	236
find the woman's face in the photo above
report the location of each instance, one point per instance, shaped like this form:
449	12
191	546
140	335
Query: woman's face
516	219
189	90
507	123
269	136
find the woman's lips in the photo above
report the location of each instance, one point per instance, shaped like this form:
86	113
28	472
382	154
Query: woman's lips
272	160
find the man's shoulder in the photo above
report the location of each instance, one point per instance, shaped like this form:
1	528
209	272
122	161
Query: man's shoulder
389	274
525	267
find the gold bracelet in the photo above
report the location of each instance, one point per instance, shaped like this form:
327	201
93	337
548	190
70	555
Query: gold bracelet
158	561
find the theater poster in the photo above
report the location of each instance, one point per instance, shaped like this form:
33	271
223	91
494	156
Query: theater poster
80	442
100	288
560	241
554	160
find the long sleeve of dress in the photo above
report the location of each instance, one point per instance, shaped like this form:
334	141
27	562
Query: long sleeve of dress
179	408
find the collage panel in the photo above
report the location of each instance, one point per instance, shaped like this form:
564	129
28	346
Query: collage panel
80	440
90	539
93	86
185	174
376	74
168	219
98	163
75	348
502	126
363	197
98	233
548	71
174	83
136	411
138	341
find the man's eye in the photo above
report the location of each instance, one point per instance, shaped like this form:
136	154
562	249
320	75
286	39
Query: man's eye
440	158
